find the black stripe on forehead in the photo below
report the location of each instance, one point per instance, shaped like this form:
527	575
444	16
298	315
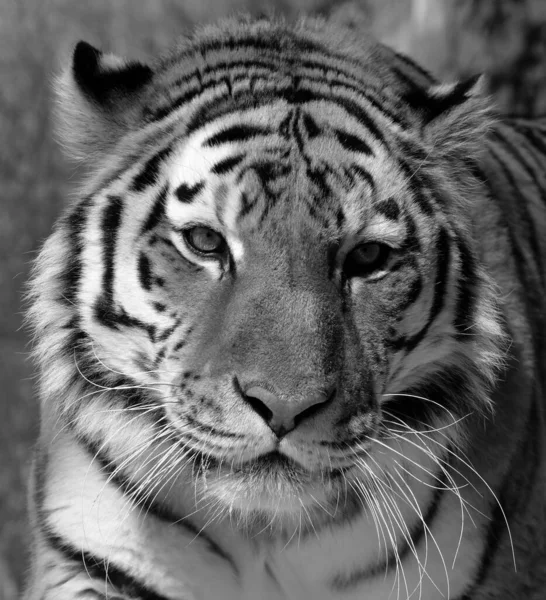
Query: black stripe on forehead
353	143
227	164
186	193
310	127
388	208
236	133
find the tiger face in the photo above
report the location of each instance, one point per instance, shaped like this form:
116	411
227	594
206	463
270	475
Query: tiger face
286	281
280	297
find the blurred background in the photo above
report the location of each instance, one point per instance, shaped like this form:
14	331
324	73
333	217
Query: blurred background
452	38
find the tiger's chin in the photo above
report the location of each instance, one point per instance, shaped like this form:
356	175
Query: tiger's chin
274	496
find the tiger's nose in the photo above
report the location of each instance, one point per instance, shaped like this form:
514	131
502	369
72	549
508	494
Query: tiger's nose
283	416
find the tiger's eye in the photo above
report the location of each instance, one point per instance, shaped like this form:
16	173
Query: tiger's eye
366	259
205	240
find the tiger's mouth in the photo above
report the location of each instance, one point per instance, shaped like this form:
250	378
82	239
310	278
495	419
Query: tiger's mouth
270	463
277	464
273	472
277	461
273	493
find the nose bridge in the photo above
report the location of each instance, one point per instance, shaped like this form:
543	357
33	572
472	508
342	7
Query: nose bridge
286	333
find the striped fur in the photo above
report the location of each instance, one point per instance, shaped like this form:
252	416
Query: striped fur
414	464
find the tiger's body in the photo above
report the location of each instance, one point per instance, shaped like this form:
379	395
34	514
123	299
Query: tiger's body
291	337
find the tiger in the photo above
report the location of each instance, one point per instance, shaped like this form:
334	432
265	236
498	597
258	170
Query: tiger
290	331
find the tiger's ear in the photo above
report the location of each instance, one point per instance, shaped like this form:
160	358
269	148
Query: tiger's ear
456	117
99	99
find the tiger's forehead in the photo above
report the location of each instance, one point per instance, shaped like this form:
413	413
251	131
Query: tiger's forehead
264	57
315	160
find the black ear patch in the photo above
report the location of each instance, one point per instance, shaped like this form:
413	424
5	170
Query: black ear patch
433	102
103	82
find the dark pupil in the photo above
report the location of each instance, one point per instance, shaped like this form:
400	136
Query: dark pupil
365	259
205	239
367	254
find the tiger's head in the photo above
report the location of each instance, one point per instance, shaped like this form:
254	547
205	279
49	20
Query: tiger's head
269	283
